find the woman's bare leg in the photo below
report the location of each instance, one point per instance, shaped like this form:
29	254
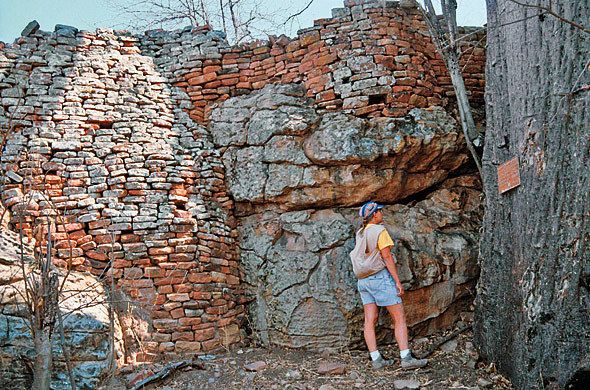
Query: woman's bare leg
371	315
399	322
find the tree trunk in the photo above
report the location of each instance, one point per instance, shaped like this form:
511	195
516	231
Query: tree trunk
45	303
467	122
43	360
533	303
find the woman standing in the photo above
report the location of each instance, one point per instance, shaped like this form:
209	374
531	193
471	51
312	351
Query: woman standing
379	285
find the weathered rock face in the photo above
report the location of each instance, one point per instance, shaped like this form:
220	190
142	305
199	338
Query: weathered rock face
278	150
292	171
296	265
84	307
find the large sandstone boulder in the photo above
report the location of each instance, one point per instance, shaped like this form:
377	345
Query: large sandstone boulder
297	268
277	149
84	307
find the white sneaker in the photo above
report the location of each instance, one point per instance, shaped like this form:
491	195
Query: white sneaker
380	363
410	362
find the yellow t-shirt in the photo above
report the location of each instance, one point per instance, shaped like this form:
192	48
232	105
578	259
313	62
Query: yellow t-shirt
384	239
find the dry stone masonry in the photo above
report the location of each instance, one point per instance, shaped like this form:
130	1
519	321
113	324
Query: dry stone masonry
87	329
133	177
210	179
372	58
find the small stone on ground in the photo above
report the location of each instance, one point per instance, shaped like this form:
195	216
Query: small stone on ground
331	368
481	382
449	346
294	374
255	366
406	384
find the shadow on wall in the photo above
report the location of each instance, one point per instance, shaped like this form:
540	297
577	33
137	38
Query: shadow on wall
84	306
106	137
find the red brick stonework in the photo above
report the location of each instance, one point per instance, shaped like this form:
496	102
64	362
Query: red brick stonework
367	60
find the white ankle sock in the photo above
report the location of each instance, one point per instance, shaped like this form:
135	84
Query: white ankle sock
374	355
404	353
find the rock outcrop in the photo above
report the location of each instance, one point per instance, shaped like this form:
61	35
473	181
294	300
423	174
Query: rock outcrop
297	267
87	330
278	150
293	171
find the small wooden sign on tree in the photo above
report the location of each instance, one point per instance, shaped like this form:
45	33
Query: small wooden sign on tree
508	175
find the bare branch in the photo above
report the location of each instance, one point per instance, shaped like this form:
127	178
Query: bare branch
238	19
223	21
471	54
549	10
234	18
291	17
448	50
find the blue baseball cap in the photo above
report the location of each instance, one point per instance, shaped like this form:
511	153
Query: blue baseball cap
369	208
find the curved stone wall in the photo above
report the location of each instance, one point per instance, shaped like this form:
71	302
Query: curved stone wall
371	58
107	138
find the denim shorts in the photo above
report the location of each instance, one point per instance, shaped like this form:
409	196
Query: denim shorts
379	288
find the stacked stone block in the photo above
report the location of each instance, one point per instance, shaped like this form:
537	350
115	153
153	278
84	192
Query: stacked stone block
369	59
103	144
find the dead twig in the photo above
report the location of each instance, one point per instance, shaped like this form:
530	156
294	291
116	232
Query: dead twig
167	371
291	17
549	10
443	340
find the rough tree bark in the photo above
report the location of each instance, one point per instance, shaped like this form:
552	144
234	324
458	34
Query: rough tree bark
43	360
533	303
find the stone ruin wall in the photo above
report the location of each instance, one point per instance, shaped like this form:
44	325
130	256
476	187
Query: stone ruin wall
104	133
367	60
118	133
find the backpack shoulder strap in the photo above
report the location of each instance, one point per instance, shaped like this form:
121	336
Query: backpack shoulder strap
372	236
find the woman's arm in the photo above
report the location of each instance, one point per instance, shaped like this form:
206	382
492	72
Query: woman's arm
390	264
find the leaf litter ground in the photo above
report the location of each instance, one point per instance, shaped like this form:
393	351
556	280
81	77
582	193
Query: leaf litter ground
455	365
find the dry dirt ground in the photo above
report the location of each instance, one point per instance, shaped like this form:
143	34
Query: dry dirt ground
454	365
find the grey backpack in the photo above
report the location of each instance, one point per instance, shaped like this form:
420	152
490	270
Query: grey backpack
366	257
